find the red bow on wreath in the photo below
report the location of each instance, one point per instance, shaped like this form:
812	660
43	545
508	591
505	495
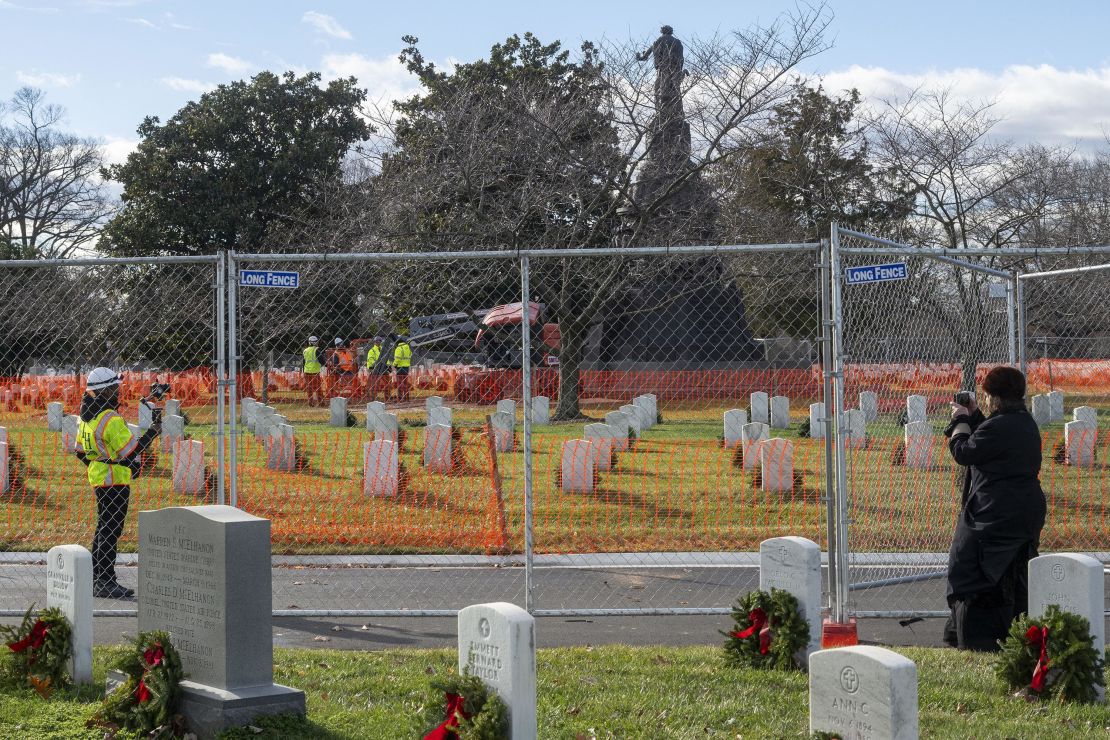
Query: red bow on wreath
152	656
1038	637
446	729
34	640
758	624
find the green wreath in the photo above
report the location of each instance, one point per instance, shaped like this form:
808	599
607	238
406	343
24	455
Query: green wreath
769	631
461	707
38	651
147	701
1052	656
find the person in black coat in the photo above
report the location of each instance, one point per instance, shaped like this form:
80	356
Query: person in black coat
1003	512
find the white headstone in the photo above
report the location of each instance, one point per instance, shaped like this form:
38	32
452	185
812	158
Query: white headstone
863	692
69	432
54	413
817	420
281	449
1041	409
437	448
1080	438
173	407
1056	405
338	410
1085	413
635	421
381	467
69	587
647	413
735	419
439	416
5	474
869	405
541	411
1076	584
917	408
780	412
776	457
188	467
919	445
385	427
602	448
855	428
577	466
599	431
146	417
246	411
502	425
431	402
497	643
375	407
750	437
793	564
173	430
761	412
507	406
619	421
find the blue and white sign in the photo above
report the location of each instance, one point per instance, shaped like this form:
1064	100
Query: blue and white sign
269	279
876	273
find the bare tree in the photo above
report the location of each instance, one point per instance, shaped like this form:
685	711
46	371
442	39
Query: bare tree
52	200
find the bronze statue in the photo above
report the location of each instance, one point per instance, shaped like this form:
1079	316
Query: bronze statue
667	55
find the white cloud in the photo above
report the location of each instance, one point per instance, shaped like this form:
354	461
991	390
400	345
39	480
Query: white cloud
231	65
116	149
47	79
183	85
142	22
1042	103
385	79
326	24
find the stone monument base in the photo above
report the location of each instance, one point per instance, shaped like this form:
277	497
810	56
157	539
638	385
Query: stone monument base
208	710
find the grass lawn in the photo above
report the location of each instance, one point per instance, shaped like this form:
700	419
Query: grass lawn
678	490
604	692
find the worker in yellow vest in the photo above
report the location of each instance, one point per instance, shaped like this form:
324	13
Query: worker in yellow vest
311	369
112	453
376	368
402	362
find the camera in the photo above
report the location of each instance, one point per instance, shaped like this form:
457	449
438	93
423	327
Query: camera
963	398
159	390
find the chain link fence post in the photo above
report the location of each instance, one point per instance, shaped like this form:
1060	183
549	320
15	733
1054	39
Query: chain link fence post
526	399
841	605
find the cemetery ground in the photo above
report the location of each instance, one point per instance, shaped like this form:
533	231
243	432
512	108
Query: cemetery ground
596	692
678	490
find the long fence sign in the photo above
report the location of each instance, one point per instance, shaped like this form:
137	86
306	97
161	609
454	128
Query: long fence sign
269	279
876	273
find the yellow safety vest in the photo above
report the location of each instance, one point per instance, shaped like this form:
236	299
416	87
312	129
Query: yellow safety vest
311	362
372	356
107	437
402	355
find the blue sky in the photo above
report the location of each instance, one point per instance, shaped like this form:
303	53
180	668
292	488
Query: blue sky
110	62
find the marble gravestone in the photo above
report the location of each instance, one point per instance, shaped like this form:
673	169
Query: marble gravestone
734	421
69	587
750	437
793	564
647	411
1055	405
577	466
173	407
919	445
437	448
281	449
146	417
338	412
502	426
54	413
855	429
430	402
1076	584
381	467
863	692
385	426
439	416
375	407
173	432
869	405
609	439
1040	408
780	412
619	421
1080	440
497	643
634	421
1085	413
917	409
776	458
760	408
205	577
541	411
69	433
507	406
817	421
188	467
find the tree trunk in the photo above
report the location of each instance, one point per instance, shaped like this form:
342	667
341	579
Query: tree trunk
572	348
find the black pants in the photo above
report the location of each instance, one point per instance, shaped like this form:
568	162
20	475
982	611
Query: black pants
978	621
111	511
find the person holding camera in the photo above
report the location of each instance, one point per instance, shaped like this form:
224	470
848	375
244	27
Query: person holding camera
1003	511
113	456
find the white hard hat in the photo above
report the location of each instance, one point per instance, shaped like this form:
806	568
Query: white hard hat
313	340
338	341
101	378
